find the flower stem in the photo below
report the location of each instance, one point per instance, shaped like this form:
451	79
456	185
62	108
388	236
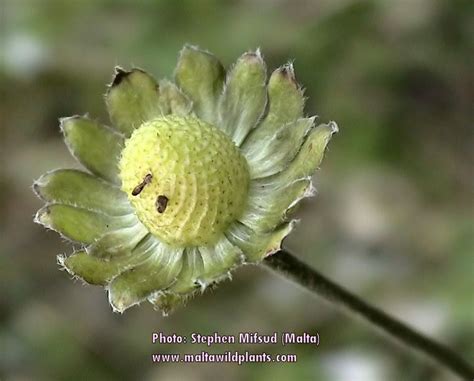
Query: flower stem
292	268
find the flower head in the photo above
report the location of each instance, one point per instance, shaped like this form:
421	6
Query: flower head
196	178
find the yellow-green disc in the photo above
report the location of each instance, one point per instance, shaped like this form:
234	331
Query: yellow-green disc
185	178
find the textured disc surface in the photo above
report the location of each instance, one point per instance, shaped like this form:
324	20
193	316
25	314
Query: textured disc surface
185	178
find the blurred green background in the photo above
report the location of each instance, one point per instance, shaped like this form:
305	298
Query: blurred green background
392	221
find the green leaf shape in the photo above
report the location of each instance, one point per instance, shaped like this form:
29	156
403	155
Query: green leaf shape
218	260
158	272
285	104
185	286
272	198
98	271
119	242
173	100
80	225
306	161
96	146
80	189
200	75
277	151
243	102
202	267
132	98
256	246
193	267
267	206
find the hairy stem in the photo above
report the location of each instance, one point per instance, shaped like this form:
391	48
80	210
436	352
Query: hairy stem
292	268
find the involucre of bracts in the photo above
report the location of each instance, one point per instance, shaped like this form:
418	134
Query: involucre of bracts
195	178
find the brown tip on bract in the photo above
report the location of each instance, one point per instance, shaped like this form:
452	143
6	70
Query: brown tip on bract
119	75
253	56
289	72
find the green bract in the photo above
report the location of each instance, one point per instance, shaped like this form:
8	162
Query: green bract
196	178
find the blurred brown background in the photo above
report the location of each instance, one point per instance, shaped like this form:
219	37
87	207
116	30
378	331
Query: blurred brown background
392	221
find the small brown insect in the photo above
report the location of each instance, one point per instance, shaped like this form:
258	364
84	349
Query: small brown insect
147	180
161	203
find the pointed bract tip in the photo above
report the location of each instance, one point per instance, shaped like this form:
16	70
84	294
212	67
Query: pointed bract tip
188	48
42	182
253	55
116	308
36	187
60	259
334	127
310	191
202	285
288	71
42	217
64	121
119	75
313	119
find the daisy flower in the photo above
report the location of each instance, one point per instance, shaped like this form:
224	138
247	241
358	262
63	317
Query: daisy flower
193	179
